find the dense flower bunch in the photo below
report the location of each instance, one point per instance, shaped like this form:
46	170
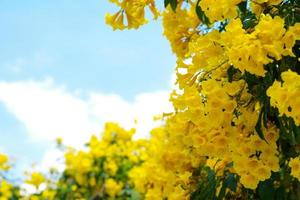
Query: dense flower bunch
101	171
235	130
219	10
285	95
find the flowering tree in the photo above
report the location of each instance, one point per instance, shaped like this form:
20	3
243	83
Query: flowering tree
235	130
101	171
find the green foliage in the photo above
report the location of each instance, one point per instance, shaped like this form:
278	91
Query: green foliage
214	187
201	15
206	188
172	3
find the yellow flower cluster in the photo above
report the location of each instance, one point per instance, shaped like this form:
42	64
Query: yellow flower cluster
179	27
218	10
35	179
285	96
133	10
113	188
253	169
295	167
156	177
246	51
5	190
102	169
202	128
211	125
78	164
99	171
44	187
251	52
258	6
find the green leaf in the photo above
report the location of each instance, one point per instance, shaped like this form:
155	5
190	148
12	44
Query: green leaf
166	3
201	15
222	192
249	20
251	80
265	115
231	182
258	127
231	71
280	194
266	190
297	133
206	187
173	4
243	6
292	131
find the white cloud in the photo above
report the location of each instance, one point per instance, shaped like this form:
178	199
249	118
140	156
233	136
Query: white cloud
49	111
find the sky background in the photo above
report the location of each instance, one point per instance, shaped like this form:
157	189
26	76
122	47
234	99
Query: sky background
63	72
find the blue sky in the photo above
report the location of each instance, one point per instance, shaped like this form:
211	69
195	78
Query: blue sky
61	51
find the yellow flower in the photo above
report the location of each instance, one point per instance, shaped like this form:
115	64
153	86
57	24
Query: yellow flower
48	194
116	20
3	162
249	181
134	11
295	167
284	96
36	179
219	9
5	190
180	27
112	187
111	167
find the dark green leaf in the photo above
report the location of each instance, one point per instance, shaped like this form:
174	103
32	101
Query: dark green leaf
206	187
166	3
231	182
201	15
231	71
173	4
249	20
266	190
265	115
243	6
258	127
